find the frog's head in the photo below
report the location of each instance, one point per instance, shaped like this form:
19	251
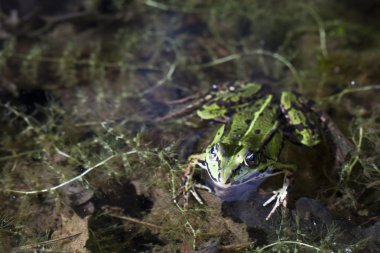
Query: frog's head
224	162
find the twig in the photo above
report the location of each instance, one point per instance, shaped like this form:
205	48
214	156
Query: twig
127	218
235	247
32	246
63	153
182	100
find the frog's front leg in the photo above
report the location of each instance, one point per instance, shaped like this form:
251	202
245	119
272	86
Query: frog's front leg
187	182
281	195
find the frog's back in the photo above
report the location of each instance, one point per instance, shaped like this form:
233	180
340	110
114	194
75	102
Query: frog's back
252	125
227	100
253	113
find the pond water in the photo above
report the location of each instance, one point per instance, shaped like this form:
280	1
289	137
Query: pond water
98	119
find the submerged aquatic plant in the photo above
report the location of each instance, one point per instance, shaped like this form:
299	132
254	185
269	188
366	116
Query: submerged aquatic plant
82	111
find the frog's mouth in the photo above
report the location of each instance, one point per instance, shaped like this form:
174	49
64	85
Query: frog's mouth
233	174
219	181
240	183
243	174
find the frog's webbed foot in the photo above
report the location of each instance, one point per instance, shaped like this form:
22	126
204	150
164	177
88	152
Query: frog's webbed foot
188	186
281	196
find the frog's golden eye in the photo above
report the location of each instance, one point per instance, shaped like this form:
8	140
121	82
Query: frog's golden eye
249	158
214	152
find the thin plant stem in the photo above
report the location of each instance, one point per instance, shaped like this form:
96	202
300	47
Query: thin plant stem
291	242
66	182
127	218
275	56
322	32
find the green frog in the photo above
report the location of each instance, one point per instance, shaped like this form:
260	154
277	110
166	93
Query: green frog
254	124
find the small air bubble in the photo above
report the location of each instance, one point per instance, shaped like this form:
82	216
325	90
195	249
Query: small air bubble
348	250
353	82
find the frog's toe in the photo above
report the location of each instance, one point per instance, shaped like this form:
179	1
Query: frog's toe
185	192
203	187
281	200
196	196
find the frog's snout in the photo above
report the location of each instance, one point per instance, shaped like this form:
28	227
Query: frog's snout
230	176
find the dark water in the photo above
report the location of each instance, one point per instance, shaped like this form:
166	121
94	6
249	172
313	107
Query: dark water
83	84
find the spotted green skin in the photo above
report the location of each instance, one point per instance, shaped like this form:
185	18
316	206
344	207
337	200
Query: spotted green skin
255	125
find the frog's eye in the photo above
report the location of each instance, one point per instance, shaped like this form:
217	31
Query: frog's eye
214	152
249	158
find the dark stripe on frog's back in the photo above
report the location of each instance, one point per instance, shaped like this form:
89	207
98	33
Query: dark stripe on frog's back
225	101
252	125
